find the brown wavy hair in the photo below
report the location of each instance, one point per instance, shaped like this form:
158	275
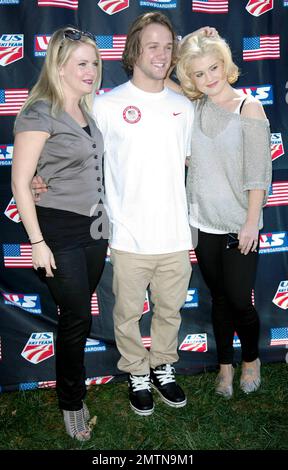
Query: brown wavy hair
133	45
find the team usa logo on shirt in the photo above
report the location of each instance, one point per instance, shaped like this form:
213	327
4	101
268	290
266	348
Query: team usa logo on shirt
113	6
132	114
281	296
258	7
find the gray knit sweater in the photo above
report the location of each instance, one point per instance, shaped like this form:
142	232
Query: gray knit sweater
230	155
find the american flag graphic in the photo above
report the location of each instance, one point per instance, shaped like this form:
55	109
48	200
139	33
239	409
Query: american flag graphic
146	340
17	256
192	257
94	304
261	47
98	380
210	6
47	384
28	386
111	47
72	4
278	194
11	100
279	336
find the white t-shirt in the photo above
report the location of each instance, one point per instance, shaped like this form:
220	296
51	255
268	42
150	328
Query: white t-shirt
147	137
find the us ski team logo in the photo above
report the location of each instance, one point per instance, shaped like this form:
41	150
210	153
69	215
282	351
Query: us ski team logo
259	7
39	347
195	342
132	114
11	48
277	148
11	211
113	6
281	296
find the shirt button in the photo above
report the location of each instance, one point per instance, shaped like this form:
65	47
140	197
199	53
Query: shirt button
96	167
98	178
94	146
99	190
96	156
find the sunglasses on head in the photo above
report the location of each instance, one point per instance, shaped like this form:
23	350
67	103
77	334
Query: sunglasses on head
75	34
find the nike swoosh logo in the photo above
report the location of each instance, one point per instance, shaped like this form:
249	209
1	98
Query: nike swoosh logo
176	114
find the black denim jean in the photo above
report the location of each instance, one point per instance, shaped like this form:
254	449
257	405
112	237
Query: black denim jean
230	276
75	279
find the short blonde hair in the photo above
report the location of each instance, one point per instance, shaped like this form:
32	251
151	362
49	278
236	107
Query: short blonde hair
196	46
48	86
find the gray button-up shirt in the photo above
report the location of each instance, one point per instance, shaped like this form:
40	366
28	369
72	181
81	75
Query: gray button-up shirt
71	160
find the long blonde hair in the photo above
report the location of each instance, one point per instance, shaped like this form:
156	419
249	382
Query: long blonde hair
48	86
196	46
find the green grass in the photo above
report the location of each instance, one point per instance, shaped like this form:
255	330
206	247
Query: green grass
30	420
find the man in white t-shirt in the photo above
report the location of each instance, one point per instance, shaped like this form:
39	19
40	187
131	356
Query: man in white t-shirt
147	134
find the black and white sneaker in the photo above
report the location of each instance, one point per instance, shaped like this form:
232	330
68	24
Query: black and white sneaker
140	396
163	380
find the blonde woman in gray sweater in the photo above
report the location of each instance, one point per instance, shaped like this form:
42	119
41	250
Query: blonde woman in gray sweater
227	186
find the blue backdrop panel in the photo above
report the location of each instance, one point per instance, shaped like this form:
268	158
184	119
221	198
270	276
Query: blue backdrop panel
257	33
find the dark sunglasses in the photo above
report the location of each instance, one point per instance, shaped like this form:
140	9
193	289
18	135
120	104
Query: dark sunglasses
75	34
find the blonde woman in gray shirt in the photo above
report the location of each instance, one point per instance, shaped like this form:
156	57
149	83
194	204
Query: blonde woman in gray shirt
57	137
227	186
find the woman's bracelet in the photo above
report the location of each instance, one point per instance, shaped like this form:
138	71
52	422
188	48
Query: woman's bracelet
35	243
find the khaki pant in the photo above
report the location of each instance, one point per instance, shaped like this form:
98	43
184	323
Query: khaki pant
168	276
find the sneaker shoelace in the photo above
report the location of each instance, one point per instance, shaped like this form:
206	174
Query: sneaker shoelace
140	382
165	376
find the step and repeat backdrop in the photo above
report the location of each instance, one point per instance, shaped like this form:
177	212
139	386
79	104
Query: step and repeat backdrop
257	33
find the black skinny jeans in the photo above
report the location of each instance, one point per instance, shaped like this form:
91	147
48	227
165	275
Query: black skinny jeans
77	275
230	277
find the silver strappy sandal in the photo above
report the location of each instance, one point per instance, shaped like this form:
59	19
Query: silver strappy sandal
86	412
76	424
